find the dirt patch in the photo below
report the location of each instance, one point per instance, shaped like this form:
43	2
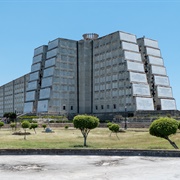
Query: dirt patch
21	133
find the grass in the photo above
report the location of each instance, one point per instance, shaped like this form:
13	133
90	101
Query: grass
97	138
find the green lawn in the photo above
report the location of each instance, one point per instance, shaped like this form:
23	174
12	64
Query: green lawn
97	138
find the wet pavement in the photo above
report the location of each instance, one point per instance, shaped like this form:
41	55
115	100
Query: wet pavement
41	167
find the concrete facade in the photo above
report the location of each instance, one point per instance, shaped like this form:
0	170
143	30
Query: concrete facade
110	74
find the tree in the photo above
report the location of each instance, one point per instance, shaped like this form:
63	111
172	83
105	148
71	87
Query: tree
44	126
164	127
13	126
11	115
109	124
1	124
114	128
85	123
25	125
34	126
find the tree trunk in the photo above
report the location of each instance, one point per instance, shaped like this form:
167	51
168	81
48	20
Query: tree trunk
85	137
25	134
172	143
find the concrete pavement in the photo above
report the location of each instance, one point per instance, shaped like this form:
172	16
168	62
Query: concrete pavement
44	167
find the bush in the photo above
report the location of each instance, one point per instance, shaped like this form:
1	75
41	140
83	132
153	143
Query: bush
34	121
109	124
58	121
164	127
25	125
66	127
114	128
85	123
1	124
13	125
44	126
51	121
33	126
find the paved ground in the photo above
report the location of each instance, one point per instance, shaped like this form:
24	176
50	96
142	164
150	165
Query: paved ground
88	168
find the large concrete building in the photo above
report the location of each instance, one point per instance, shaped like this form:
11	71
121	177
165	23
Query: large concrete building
110	74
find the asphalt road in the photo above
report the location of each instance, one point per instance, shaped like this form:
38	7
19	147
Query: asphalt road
52	167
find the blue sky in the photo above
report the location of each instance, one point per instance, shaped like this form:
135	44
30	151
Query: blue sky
27	24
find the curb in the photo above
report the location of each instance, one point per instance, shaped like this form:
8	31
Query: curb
92	152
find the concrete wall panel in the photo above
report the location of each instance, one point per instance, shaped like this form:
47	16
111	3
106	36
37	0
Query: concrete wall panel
30	96
168	104
161	80
133	66
132	56
28	107
42	106
53	44
130	46
46	82
38	50
141	89
151	43
32	85
154	52
155	60
34	76
50	62
35	67
144	103
138	77
164	92
48	72
158	70
127	37
37	59
45	93
52	53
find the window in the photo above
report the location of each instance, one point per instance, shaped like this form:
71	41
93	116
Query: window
71	107
114	105
102	107
96	107
64	107
108	106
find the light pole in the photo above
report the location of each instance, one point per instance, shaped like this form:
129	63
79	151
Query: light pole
125	120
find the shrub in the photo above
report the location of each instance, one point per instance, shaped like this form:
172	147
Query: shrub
66	127
34	126
34	121
164	127
109	124
85	123
1	124
114	128
58	121
44	126
13	125
25	125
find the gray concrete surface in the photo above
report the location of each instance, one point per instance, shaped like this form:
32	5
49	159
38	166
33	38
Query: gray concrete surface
31	167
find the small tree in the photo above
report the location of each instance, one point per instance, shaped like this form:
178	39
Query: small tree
114	128
13	126
85	123
44	126
34	126
1	124
164	127
109	124
25	125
